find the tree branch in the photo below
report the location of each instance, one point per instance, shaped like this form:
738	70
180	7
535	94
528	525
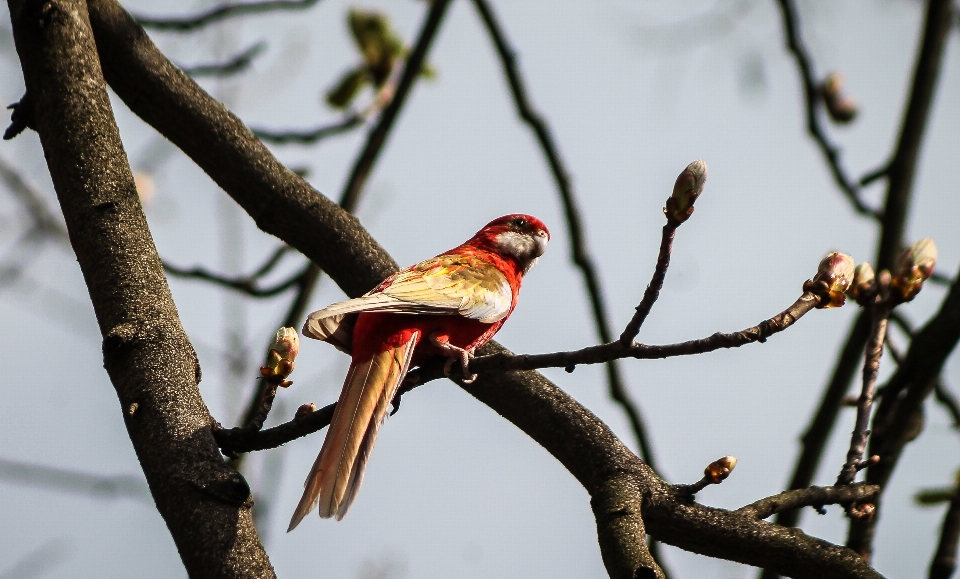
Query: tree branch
871	366
237	63
830	151
101	486
578	245
221	12
898	419
309	136
809	497
146	353
945	558
246	284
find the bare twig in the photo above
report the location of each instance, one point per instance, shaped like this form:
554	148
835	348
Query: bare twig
221	12
808	497
238	63
903	164
247	284
578	245
831	152
871	176
871	366
60	479
616	350
241	440
44	221
945	558
310	136
948	400
656	282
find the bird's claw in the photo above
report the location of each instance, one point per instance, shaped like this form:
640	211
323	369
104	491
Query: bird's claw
454	354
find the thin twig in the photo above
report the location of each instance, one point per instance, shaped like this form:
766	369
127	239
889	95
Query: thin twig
221	12
98	485
871	366
945	558
310	136
901	176
616	350
808	497
245	284
578	245
871	176
656	282
235	64
44	220
831	152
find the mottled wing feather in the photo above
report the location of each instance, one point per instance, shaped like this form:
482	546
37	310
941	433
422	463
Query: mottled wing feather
444	285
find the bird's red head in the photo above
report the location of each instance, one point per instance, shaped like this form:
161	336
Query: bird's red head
521	237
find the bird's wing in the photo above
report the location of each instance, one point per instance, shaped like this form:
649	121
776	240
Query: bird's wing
444	285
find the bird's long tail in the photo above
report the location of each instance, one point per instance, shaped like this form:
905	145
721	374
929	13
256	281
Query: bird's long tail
369	388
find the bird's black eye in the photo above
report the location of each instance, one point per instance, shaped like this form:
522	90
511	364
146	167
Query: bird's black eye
520	222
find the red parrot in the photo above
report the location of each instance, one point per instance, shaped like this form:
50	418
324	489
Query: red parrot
449	306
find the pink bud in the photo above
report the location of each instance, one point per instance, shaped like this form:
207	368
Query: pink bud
834	276
841	108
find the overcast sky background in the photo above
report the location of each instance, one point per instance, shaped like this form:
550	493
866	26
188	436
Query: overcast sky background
633	92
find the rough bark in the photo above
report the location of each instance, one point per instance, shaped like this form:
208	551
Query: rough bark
146	353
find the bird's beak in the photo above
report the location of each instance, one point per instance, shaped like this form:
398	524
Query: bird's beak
541	240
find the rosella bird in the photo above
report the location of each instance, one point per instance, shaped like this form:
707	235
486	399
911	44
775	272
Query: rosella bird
448	305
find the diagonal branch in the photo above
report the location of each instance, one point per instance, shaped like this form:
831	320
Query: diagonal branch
221	12
830	151
578	245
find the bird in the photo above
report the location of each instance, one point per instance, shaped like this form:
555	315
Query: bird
448	305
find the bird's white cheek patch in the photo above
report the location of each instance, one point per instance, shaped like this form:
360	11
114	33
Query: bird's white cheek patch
517	245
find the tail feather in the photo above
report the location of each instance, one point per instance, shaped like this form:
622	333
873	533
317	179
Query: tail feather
336	475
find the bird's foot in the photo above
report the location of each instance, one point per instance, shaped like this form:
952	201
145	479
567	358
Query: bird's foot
454	354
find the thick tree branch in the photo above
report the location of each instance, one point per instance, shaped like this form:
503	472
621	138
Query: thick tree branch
578	245
146	353
284	205
809	497
221	12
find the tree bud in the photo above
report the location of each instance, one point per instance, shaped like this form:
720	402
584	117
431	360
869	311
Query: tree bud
840	107
834	276
720	469
280	357
913	267
305	409
688	187
864	285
